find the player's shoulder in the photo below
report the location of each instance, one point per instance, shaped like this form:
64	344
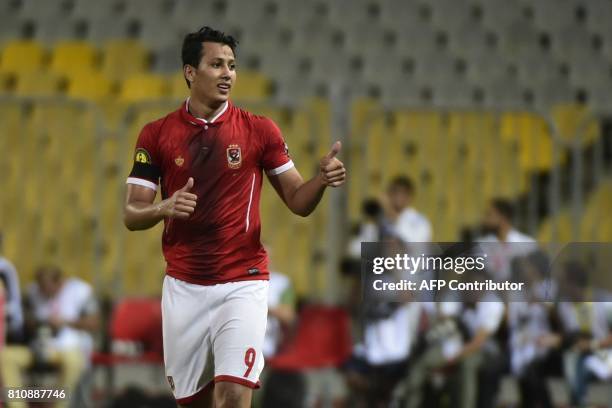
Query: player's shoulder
172	119
257	122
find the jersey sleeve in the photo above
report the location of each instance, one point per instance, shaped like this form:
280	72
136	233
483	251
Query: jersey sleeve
276	159
146	169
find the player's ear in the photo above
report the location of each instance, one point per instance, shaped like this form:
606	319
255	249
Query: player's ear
189	73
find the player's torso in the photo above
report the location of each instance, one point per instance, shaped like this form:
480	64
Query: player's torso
224	160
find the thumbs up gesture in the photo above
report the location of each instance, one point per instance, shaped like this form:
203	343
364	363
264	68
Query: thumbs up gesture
332	170
182	203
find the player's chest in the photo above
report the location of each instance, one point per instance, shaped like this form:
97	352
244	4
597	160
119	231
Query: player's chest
219	149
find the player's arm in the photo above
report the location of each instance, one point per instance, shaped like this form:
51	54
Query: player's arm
140	212
303	197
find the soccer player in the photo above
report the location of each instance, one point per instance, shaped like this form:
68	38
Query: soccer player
209	156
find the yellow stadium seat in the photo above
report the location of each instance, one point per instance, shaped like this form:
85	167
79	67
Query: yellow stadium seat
6	82
124	58
575	122
596	222
531	135
143	87
69	57
563	223
178	86
362	110
22	55
250	85
38	83
90	86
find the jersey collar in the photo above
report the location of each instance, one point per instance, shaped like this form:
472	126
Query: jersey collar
219	117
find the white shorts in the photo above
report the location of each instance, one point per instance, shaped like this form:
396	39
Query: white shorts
213	333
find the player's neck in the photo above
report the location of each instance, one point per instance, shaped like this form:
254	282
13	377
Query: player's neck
204	110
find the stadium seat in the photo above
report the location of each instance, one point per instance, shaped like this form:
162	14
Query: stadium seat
595	224
553	15
135	331
123	58
22	55
557	229
551	92
102	30
142	87
87	9
38	83
598	15
323	339
575	123
251	86
46	10
397	14
91	86
69	57
189	14
572	43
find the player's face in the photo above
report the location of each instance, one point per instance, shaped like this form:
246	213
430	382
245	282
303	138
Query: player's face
213	79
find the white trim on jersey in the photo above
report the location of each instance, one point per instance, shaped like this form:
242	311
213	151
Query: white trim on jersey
141	182
280	169
249	207
217	116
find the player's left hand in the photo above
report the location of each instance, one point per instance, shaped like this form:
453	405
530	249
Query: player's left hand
332	171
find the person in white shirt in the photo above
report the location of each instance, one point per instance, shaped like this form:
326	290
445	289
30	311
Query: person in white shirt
62	313
380	359
13	313
369	229
502	242
585	313
407	224
281	312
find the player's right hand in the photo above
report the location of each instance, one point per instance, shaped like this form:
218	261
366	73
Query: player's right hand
182	203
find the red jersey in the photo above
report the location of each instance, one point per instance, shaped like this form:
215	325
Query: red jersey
220	242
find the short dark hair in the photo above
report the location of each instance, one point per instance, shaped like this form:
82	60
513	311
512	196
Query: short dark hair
192	45
504	207
403	182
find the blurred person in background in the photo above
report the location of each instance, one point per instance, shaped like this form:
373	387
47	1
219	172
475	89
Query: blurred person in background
61	315
210	157
369	228
380	359
281	318
13	314
405	223
501	240
442	340
479	363
585	314
281	312
533	358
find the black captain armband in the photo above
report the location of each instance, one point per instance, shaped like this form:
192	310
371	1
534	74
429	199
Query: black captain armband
144	167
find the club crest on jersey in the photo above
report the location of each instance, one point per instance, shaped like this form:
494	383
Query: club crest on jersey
234	156
179	161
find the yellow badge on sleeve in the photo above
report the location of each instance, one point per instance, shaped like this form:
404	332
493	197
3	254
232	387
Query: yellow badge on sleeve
142	156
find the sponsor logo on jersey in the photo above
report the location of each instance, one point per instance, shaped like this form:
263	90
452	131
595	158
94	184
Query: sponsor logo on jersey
179	161
171	382
234	156
142	156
